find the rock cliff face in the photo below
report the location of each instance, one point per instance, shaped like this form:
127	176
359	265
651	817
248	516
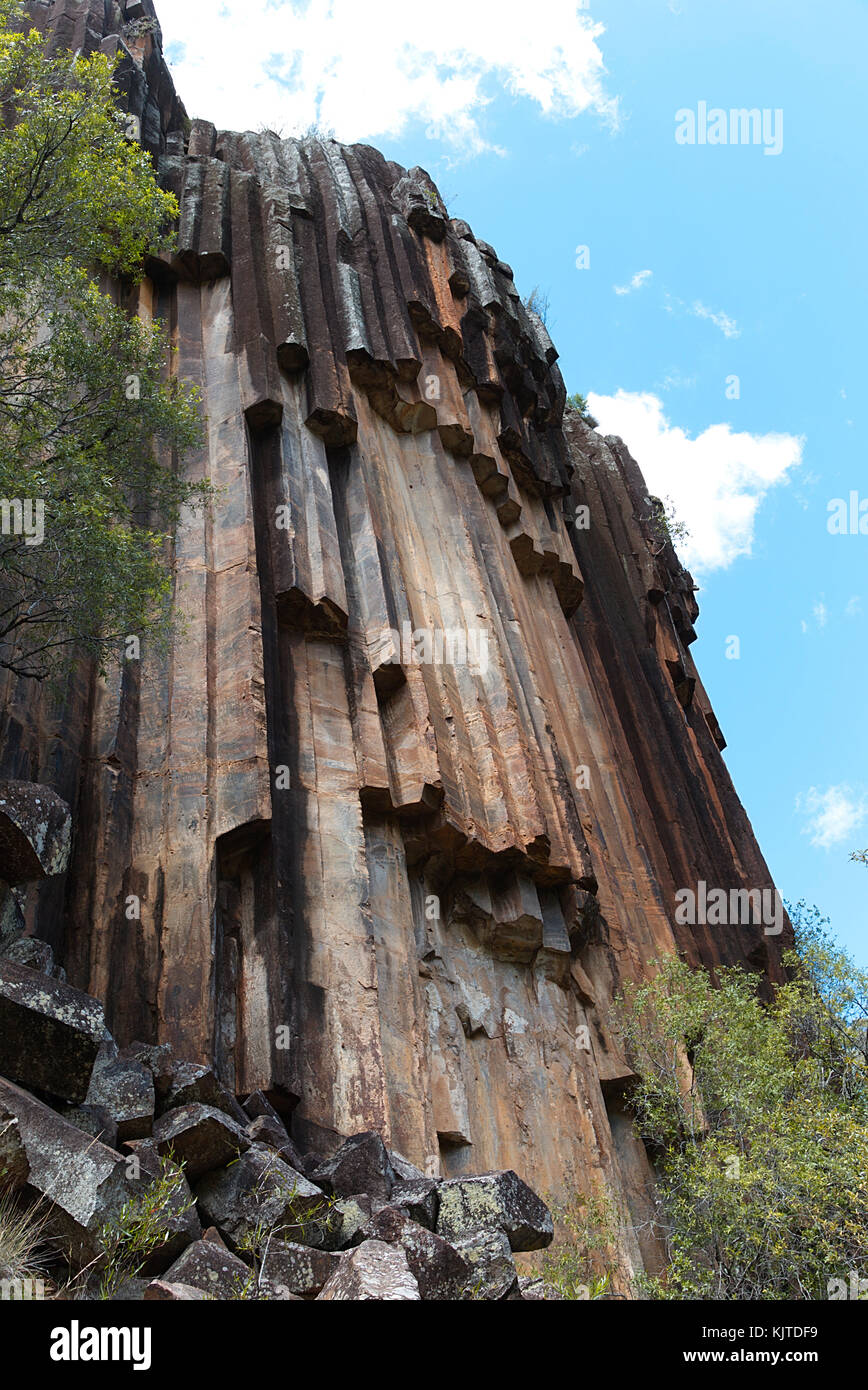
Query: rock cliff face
429	759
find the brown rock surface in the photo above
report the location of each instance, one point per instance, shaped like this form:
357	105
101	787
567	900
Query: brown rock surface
375	889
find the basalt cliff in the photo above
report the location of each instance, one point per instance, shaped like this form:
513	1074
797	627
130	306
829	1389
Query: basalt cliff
414	790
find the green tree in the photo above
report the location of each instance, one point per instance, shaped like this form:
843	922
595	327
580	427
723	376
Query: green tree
579	402
92	421
757	1117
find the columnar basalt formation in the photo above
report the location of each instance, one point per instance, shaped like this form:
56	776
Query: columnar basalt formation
394	895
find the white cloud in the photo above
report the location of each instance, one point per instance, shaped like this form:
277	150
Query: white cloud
853	606
728	327
821	613
639	279
833	815
717	480
364	70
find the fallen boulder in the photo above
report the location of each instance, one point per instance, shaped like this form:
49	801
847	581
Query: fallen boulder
211	1268
499	1200
124	1089
297	1269
492	1273
83	1180
372	1270
361	1164
200	1137
260	1191
440	1271
50	1033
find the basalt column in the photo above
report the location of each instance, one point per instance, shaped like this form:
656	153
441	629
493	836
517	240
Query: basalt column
413	792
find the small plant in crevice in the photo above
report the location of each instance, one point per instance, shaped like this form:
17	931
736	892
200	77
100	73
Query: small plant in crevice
142	1226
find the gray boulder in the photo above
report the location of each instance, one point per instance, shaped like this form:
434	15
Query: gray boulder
211	1268
372	1270
492	1272
439	1269
494	1200
200	1137
361	1164
260	1190
124	1089
50	1033
297	1269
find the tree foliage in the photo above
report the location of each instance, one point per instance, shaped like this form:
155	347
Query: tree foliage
91	422
757	1114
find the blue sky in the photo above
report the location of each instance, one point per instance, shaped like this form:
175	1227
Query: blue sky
553	127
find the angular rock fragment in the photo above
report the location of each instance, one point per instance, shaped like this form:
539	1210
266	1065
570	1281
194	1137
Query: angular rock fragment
84	1181
179	1224
200	1137
93	1119
405	1171
211	1268
158	1059
50	1033
492	1272
297	1269
372	1270
160	1291
264	1130
439	1269
259	1190
361	1164
197	1085
35	831
419	1199
494	1200
35	954
124	1089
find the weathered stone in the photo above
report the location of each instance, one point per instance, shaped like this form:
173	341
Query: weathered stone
372	1271
159	1060
492	1272
199	1137
494	1200
350	1215
84	1181
34	832
124	1089
211	1268
361	1164
405	1171
260	1189
95	1120
439	1270
49	1033
264	1130
36	955
160	1291
419	1199
14	1167
198	1085
298	1269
